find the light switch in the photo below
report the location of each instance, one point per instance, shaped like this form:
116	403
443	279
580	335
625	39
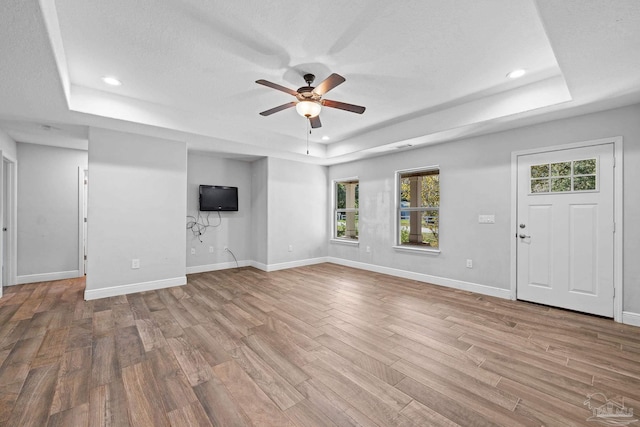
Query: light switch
486	219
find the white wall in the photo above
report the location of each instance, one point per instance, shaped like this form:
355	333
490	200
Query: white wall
475	179
297	212
259	209
47	220
136	209
234	230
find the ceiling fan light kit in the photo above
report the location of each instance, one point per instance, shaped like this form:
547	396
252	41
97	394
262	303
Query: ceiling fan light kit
310	100
308	109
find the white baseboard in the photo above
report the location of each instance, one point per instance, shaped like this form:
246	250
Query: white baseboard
259	265
442	281
630	318
220	266
113	291
47	277
290	264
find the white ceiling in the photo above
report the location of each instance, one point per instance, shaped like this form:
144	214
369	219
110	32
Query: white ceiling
427	71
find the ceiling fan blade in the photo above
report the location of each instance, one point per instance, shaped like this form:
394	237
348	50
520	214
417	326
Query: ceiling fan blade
329	83
315	122
278	108
277	87
343	106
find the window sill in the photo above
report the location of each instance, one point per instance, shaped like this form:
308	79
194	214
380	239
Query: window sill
417	249
345	242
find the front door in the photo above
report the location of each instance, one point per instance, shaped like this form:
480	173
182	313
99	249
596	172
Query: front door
565	228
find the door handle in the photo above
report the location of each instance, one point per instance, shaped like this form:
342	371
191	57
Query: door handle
523	236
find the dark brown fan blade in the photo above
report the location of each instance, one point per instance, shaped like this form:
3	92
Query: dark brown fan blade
343	106
277	87
315	122
329	83
278	108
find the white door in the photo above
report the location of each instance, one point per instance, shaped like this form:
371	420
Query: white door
565	228
3	233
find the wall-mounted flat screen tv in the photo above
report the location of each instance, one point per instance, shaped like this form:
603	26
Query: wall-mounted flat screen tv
218	198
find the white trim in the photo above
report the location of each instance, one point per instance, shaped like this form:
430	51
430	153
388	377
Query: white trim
618	235
10	222
259	265
344	242
629	318
13	231
513	250
290	264
219	266
618	247
90	294
47	277
435	280
81	219
416	249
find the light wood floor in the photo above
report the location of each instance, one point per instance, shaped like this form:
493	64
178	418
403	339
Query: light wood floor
313	346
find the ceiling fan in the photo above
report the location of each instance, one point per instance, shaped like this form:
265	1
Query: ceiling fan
309	99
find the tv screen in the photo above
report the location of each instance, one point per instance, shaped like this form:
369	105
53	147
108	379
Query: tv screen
218	198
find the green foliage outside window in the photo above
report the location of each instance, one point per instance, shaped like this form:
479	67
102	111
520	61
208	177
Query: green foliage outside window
429	197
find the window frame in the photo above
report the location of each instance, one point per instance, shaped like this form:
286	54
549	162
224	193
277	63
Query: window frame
398	209
335	210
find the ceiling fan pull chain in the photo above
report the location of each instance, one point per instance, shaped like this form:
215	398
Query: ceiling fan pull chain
308	133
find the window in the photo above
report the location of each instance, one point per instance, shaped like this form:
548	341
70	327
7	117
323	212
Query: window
577	175
418	207
345	216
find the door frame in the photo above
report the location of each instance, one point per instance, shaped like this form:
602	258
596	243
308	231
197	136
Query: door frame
617	214
82	174
12	213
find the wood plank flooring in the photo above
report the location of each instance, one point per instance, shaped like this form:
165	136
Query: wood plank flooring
323	345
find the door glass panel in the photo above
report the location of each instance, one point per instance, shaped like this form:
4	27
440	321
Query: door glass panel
584	167
540	185
539	171
583	183
561	169
560	184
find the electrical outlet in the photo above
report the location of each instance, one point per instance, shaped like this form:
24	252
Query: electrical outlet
210	249
368	249
290	248
193	251
469	263
135	263
226	248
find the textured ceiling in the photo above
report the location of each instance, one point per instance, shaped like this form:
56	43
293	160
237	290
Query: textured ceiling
427	71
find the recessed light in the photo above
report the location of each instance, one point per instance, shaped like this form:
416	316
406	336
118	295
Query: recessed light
325	138
517	73
112	81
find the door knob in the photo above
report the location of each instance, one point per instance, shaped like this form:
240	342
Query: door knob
523	236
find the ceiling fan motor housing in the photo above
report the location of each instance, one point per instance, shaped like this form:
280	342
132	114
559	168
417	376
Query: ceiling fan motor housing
305	93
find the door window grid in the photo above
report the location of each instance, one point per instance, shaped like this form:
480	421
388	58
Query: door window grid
562	177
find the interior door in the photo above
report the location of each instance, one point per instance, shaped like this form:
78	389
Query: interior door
565	228
3	216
